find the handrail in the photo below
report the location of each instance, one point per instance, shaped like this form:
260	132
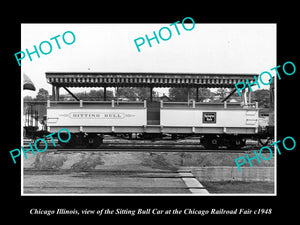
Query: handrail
101	102
112	103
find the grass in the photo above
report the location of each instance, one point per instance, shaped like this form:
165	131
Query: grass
238	187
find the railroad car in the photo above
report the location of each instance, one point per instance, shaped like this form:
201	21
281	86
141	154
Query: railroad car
216	124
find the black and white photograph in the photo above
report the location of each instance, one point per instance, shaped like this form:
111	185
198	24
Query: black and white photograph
148	109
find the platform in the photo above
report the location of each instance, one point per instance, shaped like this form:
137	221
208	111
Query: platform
111	182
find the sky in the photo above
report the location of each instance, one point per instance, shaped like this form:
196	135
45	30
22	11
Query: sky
208	48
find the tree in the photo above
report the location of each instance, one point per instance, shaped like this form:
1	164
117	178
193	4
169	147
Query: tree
42	95
262	96
134	93
222	92
129	93
185	94
94	95
27	98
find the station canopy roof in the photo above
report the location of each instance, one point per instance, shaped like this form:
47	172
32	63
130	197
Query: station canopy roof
116	79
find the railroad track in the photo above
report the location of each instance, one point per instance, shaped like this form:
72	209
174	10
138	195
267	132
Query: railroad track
147	147
156	150
116	148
